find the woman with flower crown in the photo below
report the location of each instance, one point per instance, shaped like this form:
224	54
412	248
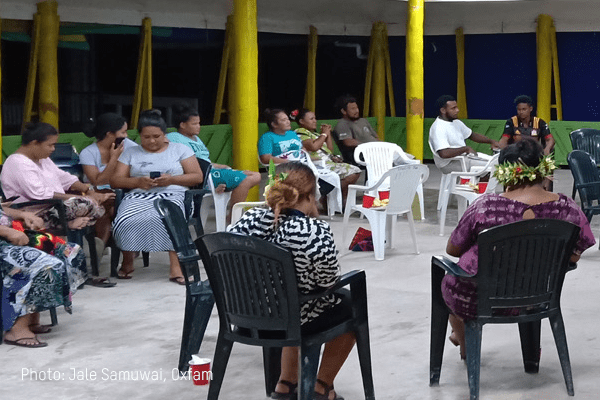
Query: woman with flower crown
522	169
290	221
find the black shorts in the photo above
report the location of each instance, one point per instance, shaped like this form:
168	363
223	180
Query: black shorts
331	316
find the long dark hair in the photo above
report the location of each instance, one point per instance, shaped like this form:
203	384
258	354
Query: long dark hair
37	132
107	122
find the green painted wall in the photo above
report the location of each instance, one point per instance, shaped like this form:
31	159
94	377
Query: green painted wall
219	138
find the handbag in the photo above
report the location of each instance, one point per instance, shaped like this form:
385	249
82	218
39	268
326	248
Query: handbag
362	240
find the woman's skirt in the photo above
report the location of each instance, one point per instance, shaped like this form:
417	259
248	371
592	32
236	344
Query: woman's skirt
138	227
35	281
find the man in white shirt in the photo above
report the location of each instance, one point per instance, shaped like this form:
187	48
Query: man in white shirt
447	138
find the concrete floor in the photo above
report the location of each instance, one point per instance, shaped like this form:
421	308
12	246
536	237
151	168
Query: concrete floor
136	326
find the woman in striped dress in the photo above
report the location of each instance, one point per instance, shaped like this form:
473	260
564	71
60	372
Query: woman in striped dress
155	169
290	222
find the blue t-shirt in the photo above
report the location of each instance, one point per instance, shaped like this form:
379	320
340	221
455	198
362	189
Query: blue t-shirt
195	144
274	144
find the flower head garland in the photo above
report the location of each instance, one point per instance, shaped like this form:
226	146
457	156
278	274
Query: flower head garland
294	114
517	173
273	177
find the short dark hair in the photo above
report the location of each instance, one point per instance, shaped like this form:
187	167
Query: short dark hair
301	114
152	118
107	122
37	132
341	103
271	116
182	112
441	102
523	99
527	150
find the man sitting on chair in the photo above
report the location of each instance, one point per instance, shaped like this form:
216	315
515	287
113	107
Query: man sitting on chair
447	138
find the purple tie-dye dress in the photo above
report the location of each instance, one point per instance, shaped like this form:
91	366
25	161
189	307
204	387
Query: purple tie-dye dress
460	294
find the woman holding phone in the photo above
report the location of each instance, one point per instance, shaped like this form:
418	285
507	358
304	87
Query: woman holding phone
155	169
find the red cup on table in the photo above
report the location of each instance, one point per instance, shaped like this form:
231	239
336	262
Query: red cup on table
482	187
384	194
368	201
200	370
464	181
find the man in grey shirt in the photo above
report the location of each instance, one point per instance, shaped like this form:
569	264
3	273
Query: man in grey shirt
351	130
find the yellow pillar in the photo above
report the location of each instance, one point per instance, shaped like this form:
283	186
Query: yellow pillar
32	73
414	77
369	77
544	67
245	114
388	73
142	97
223	73
378	86
557	90
311	76
461	92
48	62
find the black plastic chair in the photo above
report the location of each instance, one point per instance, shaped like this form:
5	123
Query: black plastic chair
587	140
199	300
66	158
192	203
586	179
521	267
255	288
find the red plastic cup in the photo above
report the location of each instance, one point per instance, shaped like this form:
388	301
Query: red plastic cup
482	187
383	195
368	201
464	181
200	370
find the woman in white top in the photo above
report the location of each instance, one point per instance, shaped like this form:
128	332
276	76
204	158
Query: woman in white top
99	161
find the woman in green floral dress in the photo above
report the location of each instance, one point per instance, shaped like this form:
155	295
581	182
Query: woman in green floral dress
320	148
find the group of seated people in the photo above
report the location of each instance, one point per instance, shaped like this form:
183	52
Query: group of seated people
163	166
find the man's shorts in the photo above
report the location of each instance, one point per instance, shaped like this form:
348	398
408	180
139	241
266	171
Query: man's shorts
230	177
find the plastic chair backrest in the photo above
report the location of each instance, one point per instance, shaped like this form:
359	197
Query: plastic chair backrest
587	140
378	158
64	153
521	266
205	167
178	230
584	170
255	287
404	180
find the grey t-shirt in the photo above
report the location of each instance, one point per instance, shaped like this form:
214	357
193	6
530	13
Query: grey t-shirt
91	156
360	130
141	163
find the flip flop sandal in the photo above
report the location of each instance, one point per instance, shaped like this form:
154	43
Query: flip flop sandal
100	282
180	280
19	343
290	395
121	274
40	328
328	390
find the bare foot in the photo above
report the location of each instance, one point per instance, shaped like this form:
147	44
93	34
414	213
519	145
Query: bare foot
22	337
79	223
220	189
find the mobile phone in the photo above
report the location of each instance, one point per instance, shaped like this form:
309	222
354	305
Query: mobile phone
118	141
154	174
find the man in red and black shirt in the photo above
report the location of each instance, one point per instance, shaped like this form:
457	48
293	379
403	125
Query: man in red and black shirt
525	124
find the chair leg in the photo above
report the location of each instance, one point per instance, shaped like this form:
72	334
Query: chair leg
308	364
473	342
574	192
221	201
377	220
421	200
197	315
413	232
115	257
439	325
444	183
530	345
443	212
560	338
272	366
146	258
364	357
220	359
90	236
53	317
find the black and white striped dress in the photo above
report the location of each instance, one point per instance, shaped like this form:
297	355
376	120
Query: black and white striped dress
311	243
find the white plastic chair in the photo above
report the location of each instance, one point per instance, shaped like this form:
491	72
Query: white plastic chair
379	158
240	208
334	198
403	182
220	201
465	193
